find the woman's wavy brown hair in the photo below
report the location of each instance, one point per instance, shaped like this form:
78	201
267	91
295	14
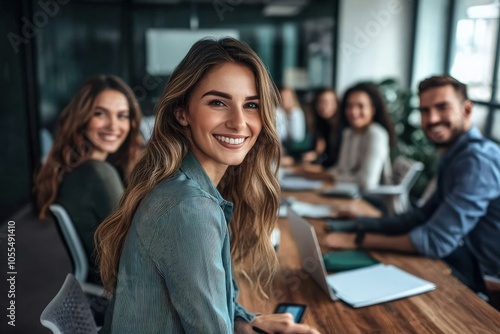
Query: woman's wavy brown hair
71	147
251	186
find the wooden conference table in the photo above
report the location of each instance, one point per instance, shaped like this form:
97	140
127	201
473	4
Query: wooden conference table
451	308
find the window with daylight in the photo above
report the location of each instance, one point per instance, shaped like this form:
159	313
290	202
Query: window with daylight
474	58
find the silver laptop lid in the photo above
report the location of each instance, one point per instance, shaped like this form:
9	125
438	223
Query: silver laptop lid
310	254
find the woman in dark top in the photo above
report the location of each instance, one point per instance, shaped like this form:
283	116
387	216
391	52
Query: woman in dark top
327	143
103	118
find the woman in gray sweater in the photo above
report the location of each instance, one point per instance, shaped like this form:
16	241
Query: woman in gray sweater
367	138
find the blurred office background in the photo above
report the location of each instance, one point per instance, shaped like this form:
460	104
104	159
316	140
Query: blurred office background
49	47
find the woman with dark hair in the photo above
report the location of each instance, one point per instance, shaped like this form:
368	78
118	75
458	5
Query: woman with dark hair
327	139
103	118
367	138
201	200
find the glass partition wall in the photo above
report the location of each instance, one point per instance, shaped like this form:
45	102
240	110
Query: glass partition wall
295	42
142	40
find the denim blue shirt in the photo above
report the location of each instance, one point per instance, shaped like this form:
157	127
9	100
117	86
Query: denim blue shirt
464	209
175	273
466	205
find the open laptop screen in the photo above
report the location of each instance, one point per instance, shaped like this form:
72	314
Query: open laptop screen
309	251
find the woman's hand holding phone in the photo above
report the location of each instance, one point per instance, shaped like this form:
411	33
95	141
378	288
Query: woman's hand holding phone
284	320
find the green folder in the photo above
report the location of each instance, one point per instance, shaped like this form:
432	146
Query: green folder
347	260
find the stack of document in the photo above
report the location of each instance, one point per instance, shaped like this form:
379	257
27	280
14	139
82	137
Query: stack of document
376	284
309	210
299	183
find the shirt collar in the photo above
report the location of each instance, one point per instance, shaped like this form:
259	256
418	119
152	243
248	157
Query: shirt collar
194	171
463	140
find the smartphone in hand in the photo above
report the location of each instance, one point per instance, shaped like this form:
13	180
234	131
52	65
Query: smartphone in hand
297	310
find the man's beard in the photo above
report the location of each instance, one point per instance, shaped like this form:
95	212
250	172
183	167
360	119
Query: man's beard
456	132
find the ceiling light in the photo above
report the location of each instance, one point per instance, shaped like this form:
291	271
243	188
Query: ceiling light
489	11
284	8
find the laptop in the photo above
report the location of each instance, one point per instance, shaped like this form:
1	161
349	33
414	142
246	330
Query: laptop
309	251
366	286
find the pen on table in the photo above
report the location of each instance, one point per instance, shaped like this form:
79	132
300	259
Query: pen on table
258	330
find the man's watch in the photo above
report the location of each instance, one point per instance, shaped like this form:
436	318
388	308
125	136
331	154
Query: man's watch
360	236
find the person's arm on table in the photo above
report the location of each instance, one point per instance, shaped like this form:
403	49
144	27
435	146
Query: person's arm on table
388	233
460	210
401	243
396	225
449	220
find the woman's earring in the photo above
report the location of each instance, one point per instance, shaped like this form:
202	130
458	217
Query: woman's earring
183	122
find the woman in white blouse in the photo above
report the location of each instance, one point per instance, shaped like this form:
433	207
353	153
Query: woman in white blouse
290	118
290	124
367	138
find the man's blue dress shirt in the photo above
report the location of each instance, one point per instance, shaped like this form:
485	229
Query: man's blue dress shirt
465	209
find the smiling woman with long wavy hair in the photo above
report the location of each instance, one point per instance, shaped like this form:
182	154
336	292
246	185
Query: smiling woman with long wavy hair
203	197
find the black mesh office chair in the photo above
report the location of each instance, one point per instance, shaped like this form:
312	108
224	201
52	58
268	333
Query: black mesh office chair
95	293
69	311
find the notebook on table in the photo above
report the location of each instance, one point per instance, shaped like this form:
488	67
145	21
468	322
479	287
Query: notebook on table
374	284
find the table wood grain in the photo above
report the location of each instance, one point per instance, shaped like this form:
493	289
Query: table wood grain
451	308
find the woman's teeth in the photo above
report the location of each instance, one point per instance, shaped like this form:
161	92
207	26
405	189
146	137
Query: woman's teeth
231	141
109	137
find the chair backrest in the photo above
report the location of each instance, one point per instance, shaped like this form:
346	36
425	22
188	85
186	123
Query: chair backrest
69	311
72	241
405	172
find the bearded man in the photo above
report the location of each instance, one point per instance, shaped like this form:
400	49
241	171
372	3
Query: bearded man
460	223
